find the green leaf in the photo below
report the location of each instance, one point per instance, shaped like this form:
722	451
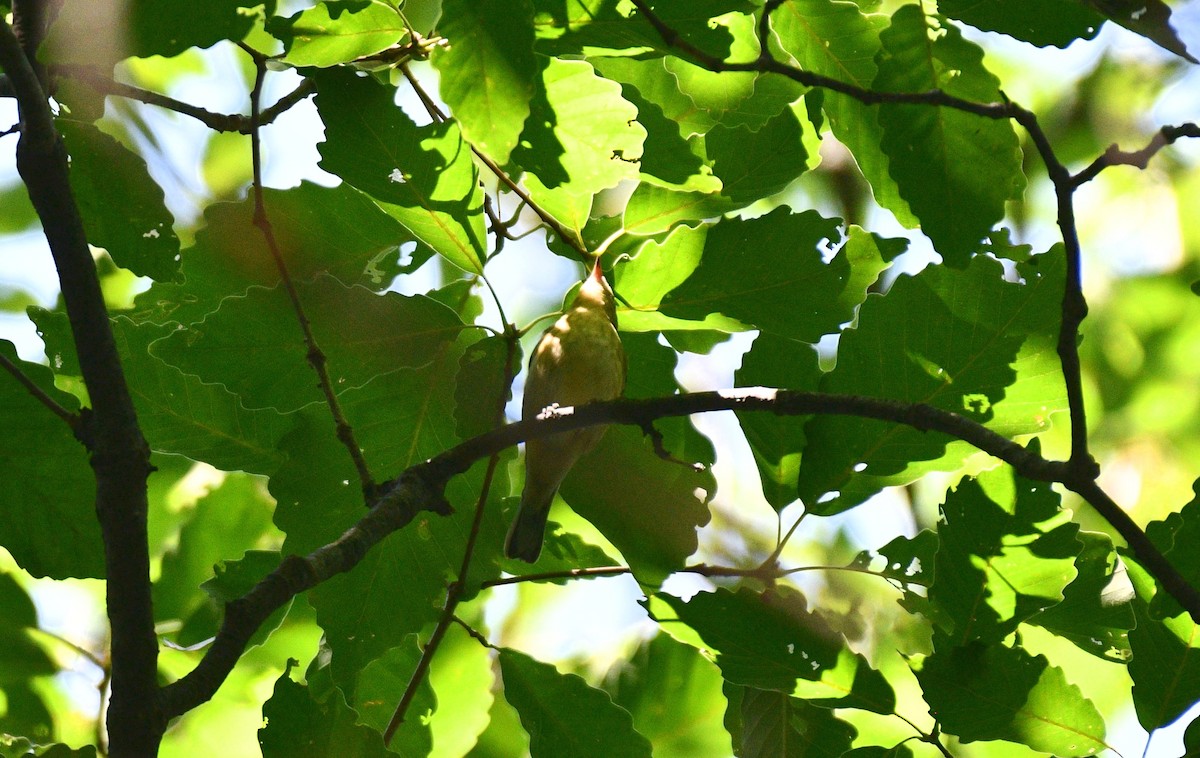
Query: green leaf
1149	18
462	678
338	31
178	413
735	99
956	170
764	640
224	524
965	341
654	541
319	230
581	137
253	345
484	385
1174	536
776	441
424	177
581	24
686	724
991	692
768	272
756	164
121	205
652	209
836	39
47	489
773	725
488	74
298	726
233	580
378	690
1097	611
999	562
1039	22
1165	667
563	715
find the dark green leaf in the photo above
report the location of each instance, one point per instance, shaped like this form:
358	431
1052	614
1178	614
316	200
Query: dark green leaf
608	488
688	722
1149	18
564	716
150	27
768	272
253	345
47	490
776	441
424	177
774	725
179	413
484	385
966	341
991	692
753	164
767	640
1001	558
1096	612
1040	22
298	726
121	205
955	170
319	230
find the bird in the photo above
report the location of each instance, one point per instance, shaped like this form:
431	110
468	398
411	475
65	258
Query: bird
578	360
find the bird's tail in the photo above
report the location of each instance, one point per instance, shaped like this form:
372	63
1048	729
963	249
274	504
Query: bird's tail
528	530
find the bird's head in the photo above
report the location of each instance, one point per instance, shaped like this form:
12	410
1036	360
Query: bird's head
595	292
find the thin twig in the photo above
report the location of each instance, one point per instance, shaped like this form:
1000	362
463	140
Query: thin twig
549	576
1115	156
455	590
220	122
316	357
73	420
563	233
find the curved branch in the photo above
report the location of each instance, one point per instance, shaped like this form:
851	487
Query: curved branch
422	487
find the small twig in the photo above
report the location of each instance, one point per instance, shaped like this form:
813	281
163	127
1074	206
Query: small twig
316	357
563	233
1115	156
220	122
73	420
455	590
474	633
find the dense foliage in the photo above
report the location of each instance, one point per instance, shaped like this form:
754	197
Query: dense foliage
318	236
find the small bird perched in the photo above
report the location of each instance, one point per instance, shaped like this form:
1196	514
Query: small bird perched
577	360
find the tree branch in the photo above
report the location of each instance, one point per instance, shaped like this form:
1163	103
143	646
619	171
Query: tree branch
220	122
422	487
120	457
